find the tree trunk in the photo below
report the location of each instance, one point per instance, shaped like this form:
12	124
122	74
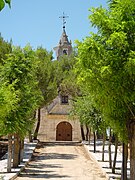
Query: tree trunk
38	125
16	158
94	141
9	153
21	149
109	150
132	152
87	133
115	155
103	147
30	136
82	133
124	162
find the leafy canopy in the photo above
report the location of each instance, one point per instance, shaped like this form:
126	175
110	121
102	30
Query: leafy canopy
46	75
3	2
106	63
19	72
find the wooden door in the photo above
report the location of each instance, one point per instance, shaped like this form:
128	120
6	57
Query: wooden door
64	132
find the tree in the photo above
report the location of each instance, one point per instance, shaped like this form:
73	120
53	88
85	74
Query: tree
88	114
19	71
46	75
107	67
3	2
65	76
8	96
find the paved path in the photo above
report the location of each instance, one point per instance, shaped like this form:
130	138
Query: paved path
62	161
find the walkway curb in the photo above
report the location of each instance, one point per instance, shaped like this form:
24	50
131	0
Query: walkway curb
94	159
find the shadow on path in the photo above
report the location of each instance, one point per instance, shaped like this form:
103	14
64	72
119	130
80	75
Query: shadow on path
31	172
45	156
39	167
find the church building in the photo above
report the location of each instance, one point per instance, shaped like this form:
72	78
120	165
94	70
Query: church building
56	124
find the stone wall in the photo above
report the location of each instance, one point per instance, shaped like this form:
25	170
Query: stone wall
49	122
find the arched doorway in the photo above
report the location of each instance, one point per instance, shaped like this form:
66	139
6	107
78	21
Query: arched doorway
64	131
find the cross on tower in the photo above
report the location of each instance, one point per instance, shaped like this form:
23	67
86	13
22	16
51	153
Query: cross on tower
64	19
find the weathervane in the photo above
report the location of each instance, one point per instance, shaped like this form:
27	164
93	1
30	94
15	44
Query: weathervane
64	19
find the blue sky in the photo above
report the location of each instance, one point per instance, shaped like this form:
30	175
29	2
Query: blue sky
37	21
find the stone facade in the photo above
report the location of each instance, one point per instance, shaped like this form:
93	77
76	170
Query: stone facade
52	116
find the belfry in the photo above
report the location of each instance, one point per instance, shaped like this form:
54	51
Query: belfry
65	46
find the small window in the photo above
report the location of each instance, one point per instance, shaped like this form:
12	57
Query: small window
64	99
65	52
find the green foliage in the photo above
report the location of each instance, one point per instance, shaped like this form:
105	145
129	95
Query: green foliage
8	100
46	75
3	2
65	76
106	63
5	48
19	72
87	113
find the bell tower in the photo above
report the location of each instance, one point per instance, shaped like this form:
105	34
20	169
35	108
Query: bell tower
65	46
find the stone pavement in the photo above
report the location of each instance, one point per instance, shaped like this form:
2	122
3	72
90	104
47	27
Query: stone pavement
28	151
